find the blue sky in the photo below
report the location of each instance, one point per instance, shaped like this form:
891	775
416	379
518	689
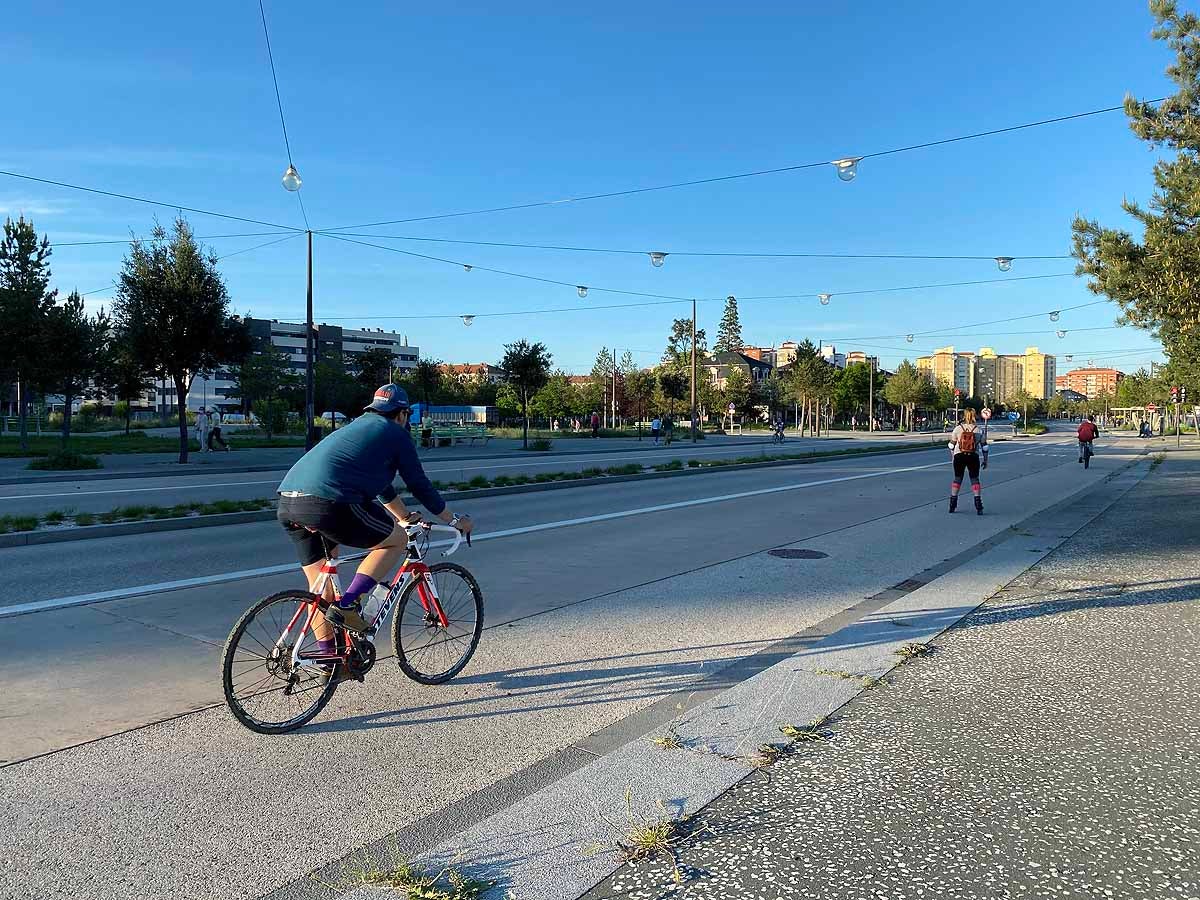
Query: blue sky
394	112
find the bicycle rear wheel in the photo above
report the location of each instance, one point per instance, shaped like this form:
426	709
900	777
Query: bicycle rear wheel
265	691
428	652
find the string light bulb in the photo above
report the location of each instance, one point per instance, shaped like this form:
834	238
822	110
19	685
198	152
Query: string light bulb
467	320
1069	357
582	289
291	179
909	338
824	298
1054	315
1004	263
847	168
1061	333
657	258
467	267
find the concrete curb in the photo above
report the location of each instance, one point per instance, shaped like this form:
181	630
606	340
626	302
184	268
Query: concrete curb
89	532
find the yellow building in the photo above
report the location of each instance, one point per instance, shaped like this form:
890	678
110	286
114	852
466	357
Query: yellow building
1039	371
946	365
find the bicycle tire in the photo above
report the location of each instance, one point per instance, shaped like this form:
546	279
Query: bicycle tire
322	688
411	615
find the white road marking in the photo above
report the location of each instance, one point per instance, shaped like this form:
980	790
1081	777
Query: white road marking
224	577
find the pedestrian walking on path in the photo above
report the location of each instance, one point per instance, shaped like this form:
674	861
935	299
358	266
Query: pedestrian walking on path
214	433
595	425
965	442
656	428
202	427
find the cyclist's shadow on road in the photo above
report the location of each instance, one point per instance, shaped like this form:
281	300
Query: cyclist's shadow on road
579	683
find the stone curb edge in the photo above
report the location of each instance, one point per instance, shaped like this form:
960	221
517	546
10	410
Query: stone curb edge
89	532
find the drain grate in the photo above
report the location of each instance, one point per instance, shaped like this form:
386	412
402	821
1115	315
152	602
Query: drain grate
789	553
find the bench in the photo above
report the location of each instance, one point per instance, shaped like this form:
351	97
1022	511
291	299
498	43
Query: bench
446	435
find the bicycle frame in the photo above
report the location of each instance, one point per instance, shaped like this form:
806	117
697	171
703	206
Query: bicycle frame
413	568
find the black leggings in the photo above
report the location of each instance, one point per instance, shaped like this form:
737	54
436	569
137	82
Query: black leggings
966	462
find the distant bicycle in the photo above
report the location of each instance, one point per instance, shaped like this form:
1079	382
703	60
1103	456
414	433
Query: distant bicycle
276	680
777	435
1086	453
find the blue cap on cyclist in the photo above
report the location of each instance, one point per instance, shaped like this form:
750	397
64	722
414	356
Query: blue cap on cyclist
389	398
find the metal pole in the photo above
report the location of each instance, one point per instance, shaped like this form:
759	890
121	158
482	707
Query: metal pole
871	399
310	412
694	371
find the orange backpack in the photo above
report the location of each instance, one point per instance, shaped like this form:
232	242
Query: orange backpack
966	441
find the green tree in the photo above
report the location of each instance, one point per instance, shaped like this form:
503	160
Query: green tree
1056	405
906	388
853	390
771	393
75	352
1019	398
335	390
674	386
264	376
372	367
25	301
602	380
1156	280
639	389
556	399
125	375
528	368
173	305
508	404
729	332
738	391
678	354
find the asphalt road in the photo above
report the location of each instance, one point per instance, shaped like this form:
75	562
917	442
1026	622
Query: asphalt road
599	601
98	495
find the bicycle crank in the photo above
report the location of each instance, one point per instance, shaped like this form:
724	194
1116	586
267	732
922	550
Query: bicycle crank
360	659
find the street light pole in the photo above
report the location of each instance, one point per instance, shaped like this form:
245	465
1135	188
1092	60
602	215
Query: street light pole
694	371
310	412
871	398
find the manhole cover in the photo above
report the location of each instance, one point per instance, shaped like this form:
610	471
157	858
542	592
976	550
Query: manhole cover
788	553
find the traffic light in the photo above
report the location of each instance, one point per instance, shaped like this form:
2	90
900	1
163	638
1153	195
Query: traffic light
957	393
1174	394
1183	394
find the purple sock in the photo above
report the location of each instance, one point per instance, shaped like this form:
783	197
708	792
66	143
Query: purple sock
326	646
359	585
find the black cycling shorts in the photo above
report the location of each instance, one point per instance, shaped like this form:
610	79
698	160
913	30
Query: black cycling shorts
353	524
966	462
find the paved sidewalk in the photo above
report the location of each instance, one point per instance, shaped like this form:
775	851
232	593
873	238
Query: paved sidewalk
1048	748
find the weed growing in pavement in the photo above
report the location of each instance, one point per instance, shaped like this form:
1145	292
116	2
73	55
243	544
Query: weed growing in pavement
912	651
766	755
55	517
1158	461
673	466
867	680
17	523
669	741
401	874
813	731
83	519
647	838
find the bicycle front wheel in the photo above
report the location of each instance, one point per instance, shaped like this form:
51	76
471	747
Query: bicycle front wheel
429	652
264	689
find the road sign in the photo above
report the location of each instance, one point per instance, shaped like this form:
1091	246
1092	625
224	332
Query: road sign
985	413
1150	407
1013	416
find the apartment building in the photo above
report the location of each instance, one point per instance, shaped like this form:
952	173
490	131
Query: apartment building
219	388
475	373
955	369
859	357
1089	381
1039	373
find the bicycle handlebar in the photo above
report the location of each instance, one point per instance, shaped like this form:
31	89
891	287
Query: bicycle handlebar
416	528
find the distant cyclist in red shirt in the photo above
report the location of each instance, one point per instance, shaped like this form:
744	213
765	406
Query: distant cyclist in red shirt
1086	434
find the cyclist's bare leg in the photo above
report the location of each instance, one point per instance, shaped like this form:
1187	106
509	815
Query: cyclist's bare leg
385	555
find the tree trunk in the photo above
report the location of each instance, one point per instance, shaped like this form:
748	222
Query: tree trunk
525	420
68	402
128	415
181	397
22	412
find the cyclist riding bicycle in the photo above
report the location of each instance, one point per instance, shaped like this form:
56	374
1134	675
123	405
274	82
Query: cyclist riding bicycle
341	492
1087	433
